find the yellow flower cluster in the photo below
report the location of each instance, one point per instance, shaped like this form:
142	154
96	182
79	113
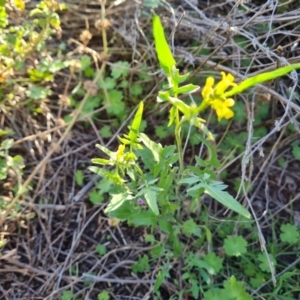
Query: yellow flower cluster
213	96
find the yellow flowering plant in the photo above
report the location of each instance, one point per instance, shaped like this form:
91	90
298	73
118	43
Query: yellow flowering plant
144	169
216	96
151	185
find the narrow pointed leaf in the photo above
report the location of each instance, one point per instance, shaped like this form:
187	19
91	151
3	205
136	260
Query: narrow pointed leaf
249	82
101	161
135	126
163	51
184	108
105	150
226	199
188	89
154	147
151	198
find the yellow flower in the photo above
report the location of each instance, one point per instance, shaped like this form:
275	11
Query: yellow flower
222	108
208	90
214	96
120	153
224	84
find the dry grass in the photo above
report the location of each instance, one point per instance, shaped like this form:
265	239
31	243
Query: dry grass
51	244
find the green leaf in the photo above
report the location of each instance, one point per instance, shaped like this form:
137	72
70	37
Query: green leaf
120	69
36	75
184	108
188	89
249	82
54	20
3	17
165	225
7	144
239	112
117	200
124	84
67	295
135	126
144	218
296	150
161	276
104	185
85	62
216	294
161	131
91	104
189	180
290	234
215	191
235	246
241	41
151	198
162	48
172	115
136	89
117	106
142	265
124	212
214	261
236	290
143	125
105	131
6	131
96	197
38	92
101	249
79	177
158	250
147	158
104	295
190	227
109	153
194	261
264	263
212	159
108	83
154	147
204	129
101	161
258	280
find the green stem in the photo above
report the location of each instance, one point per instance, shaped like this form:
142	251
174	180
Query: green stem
179	147
177	128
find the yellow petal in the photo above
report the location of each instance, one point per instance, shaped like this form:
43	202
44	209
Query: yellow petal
222	108
224	84
207	89
229	102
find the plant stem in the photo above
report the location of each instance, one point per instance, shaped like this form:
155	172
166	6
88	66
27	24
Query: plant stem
179	146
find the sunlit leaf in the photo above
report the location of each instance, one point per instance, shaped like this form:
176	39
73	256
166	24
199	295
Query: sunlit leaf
135	126
163	51
151	198
249	82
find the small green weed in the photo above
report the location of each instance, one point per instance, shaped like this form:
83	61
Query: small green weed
104	295
10	166
67	295
18	44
